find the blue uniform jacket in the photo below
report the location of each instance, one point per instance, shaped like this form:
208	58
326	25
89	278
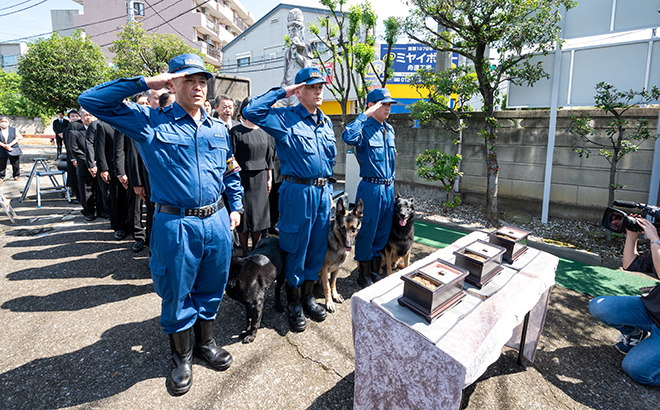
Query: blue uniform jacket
305	145
186	161
376	156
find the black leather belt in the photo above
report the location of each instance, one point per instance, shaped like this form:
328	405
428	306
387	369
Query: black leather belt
305	181
379	181
198	212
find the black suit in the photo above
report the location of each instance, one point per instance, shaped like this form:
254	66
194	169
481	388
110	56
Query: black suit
138	177
87	184
58	127
110	157
71	175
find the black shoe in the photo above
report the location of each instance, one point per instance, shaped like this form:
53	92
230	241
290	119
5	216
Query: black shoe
181	377
90	217
205	347
273	230
375	269
104	215
120	234
297	321
75	201
309	304
138	246
364	274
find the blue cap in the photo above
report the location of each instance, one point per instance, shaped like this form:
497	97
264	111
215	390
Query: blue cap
309	76
189	64
380	94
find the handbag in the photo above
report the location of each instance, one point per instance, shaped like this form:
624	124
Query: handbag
16	151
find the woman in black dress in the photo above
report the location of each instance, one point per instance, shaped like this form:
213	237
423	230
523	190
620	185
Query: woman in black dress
254	150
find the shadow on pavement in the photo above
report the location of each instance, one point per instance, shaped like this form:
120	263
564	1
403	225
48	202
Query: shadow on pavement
125	355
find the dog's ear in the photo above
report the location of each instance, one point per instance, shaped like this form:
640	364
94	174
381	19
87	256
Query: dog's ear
397	196
341	210
357	211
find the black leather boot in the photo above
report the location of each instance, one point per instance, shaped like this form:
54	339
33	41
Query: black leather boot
364	274
310	306
181	377
205	347
297	321
375	269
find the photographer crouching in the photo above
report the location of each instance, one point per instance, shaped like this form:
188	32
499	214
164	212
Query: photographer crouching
637	318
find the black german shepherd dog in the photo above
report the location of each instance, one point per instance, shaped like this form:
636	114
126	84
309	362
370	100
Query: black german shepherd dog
401	237
249	279
341	238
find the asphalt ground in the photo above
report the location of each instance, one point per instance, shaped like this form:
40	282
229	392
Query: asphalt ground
80	329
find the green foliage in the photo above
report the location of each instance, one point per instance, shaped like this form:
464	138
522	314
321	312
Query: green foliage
13	102
140	53
618	141
392	29
348	37
436	88
55	71
516	29
436	165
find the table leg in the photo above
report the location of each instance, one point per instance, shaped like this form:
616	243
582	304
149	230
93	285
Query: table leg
521	350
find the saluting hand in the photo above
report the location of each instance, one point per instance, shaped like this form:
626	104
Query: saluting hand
162	80
373	109
291	89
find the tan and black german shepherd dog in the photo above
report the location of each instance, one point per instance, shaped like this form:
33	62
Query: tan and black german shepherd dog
397	251
341	238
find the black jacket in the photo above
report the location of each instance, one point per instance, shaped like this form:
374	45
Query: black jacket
109	150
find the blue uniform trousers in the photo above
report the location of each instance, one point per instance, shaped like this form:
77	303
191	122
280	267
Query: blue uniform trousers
304	223
189	266
378	201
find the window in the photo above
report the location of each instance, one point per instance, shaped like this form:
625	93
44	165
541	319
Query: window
243	59
8	60
138	9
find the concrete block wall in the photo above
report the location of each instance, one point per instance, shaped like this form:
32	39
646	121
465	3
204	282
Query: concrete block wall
579	185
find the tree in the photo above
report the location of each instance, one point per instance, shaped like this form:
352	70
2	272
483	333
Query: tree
350	53
514	29
435	165
57	70
618	142
392	28
140	53
13	102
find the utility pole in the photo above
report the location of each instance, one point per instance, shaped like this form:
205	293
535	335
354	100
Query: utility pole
130	11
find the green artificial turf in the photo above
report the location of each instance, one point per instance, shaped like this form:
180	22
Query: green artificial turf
578	276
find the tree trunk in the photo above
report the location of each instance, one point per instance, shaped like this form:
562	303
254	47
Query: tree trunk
492	174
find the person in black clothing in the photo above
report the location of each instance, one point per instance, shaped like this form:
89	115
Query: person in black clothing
637	318
71	176
86	172
254	150
9	149
110	161
59	125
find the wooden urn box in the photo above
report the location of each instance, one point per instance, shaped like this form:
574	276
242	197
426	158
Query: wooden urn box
433	288
482	259
512	239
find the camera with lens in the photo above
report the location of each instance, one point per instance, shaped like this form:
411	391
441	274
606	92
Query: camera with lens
618	221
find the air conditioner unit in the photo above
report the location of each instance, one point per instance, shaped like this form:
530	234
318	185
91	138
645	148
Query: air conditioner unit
205	11
207	38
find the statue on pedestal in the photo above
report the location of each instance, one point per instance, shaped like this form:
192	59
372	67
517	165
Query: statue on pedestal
298	55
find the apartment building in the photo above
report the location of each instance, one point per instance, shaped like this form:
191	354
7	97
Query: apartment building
205	25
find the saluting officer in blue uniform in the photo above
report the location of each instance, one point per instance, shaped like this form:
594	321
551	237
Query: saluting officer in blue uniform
373	139
188	156
305	143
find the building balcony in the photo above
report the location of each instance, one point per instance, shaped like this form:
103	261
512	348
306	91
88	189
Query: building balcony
212	55
237	18
211	31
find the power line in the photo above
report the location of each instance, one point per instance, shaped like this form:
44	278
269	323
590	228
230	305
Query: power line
158	26
168	23
23	9
76	27
15	5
